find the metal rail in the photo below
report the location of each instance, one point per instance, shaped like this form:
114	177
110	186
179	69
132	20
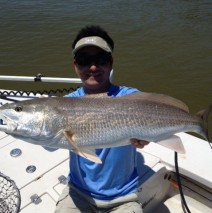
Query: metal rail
40	78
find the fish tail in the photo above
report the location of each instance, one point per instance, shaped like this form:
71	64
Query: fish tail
204	114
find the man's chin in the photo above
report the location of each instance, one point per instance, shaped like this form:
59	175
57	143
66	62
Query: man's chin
92	81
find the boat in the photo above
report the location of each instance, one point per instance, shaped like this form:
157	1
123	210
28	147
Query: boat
32	178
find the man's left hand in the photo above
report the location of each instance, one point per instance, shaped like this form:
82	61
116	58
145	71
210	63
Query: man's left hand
138	143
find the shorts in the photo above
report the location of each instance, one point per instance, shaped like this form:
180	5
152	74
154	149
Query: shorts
73	201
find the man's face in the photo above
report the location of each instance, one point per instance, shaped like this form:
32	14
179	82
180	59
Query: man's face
93	67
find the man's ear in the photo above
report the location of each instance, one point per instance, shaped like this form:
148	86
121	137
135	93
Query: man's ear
111	76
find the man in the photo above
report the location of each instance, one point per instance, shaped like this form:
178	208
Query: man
112	185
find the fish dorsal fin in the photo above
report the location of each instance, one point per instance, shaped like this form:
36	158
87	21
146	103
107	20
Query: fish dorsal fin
100	95
160	98
88	154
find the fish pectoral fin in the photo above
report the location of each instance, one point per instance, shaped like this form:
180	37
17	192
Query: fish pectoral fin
81	151
173	143
88	154
69	136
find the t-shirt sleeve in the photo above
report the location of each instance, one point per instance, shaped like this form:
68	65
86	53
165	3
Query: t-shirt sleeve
127	90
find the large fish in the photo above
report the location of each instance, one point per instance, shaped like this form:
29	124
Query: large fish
98	121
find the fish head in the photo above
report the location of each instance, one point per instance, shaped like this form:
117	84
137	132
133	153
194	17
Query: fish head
22	119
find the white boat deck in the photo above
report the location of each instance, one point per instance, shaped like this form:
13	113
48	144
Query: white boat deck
45	181
195	163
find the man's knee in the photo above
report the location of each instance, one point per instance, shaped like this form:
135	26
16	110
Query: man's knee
130	207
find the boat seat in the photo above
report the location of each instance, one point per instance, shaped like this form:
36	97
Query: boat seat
173	205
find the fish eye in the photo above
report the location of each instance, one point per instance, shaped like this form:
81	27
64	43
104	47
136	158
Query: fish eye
18	109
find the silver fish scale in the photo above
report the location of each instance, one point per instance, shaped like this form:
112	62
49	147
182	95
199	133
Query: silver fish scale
103	122
106	123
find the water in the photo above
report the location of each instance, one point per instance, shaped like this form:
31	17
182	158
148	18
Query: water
161	46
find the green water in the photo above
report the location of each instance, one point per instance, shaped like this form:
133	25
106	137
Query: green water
161	46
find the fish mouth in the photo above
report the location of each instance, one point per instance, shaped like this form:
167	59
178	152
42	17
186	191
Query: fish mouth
7	125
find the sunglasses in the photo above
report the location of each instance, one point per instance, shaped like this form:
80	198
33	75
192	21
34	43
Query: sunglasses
84	59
